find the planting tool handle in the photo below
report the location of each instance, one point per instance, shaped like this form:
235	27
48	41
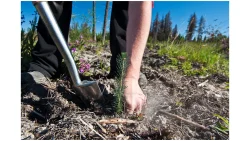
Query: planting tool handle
35	2
57	36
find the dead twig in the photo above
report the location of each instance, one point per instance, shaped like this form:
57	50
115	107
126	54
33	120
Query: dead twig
185	120
38	114
80	131
43	136
203	84
30	109
83	122
116	121
120	127
99	125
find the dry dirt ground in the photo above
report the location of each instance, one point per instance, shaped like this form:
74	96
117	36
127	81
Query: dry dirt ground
178	107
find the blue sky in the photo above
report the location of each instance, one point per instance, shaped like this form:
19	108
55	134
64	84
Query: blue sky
216	13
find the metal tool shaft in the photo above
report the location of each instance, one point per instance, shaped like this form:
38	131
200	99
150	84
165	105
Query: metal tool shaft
57	36
86	89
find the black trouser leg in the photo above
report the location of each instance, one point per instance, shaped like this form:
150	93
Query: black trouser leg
46	57
118	26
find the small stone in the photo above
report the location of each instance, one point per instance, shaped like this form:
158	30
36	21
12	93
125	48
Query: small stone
122	137
210	87
143	80
35	98
28	136
40	131
163	119
113	128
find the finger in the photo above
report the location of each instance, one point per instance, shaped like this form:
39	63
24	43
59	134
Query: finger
140	104
139	107
129	109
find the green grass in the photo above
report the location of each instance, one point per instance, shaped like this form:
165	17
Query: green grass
206	55
222	125
28	42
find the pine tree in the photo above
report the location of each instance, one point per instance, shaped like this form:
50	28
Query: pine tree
161	33
205	39
194	40
168	26
201	28
151	32
156	27
175	32
191	27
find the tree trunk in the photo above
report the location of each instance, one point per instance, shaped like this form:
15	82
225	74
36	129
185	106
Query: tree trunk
94	22
105	22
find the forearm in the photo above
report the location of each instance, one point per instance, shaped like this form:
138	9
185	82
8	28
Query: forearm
139	14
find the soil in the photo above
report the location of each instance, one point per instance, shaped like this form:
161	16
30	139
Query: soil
54	111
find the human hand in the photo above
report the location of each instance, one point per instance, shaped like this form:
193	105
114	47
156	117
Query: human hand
134	97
